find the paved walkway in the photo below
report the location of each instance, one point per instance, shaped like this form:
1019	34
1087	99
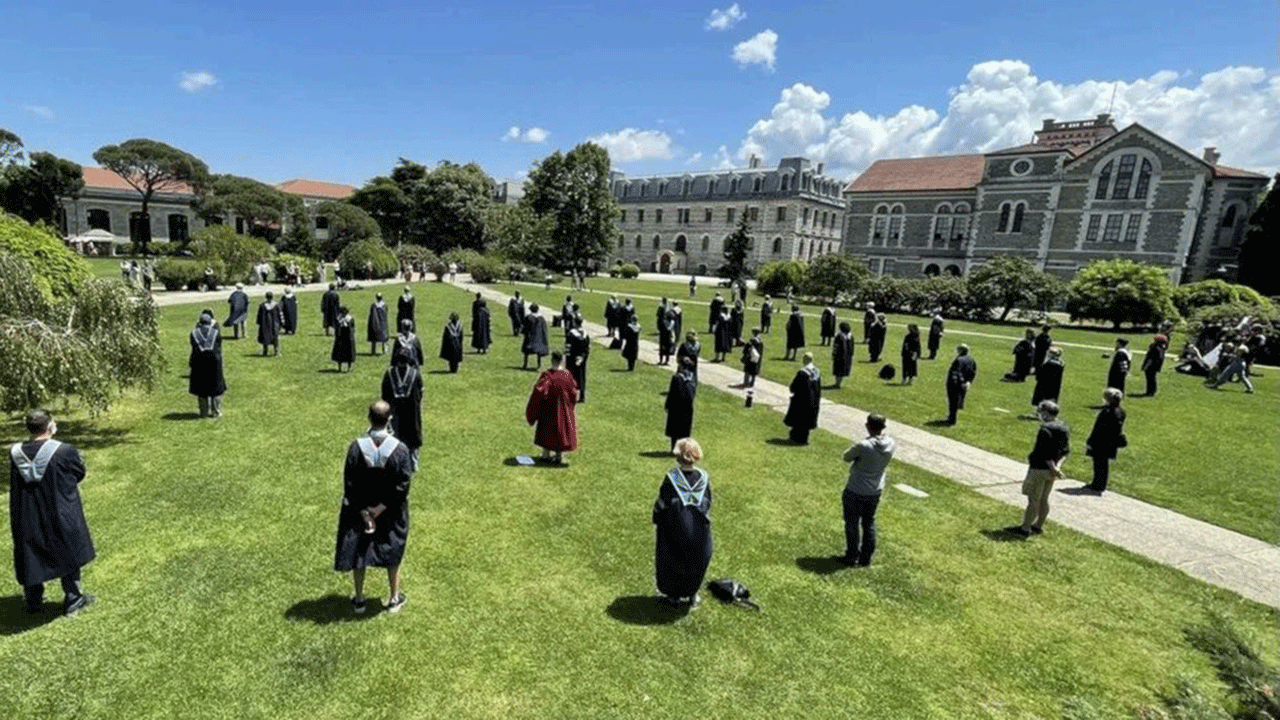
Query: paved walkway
1221	557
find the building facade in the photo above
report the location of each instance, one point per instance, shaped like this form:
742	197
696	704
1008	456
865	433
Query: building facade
1080	191
679	223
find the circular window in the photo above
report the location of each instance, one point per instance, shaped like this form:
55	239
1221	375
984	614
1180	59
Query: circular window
1021	166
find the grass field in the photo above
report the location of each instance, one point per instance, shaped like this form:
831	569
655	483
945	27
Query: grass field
1193	450
529	587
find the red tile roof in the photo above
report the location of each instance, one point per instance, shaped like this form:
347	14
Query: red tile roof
1225	171
946	172
315	188
1028	148
102	178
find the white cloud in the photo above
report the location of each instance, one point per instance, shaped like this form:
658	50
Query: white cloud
197	81
531	135
693	158
761	49
40	111
725	19
1001	103
632	145
723	161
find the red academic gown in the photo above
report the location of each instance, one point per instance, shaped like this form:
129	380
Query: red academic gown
551	409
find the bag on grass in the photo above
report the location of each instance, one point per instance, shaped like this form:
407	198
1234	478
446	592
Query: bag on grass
728	590
887	372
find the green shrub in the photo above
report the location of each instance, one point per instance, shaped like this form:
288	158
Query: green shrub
308	268
487	269
1252	683
629	271
367	260
420	257
462	256
163	249
1121	291
179	274
58	270
774	278
237	253
1206	293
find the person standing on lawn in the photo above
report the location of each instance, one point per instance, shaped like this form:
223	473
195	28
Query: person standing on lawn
344	339
577	348
373	522
795	333
631	341
961	374
690	349
238	313
50	535
1153	362
402	389
1043	342
451	342
868	317
868	459
535	336
481	334
937	326
1049	378
681	392
329	305
551	409
842	354
752	358
1121	361
875	341
827	325
1044	465
406	307
693	285
289	312
206	381
1024	353
910	354
722	331
1106	438
515	311
713	317
666	336
409	342
766	315
682	528
611	320
270	320
376	329
806	396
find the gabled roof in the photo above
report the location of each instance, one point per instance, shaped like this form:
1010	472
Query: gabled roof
315	188
1230	172
945	172
104	179
1028	149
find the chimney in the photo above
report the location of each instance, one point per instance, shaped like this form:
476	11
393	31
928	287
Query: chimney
755	162
820	166
1103	119
1211	155
1048	124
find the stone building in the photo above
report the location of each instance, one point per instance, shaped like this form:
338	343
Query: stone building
1080	191
678	223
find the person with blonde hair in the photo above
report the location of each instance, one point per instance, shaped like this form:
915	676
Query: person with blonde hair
682	523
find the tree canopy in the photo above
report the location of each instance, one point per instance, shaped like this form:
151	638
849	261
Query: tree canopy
10	147
1009	281
150	166
835	274
448	206
736	247
388	204
263	207
33	190
56	270
346	224
1121	291
573	189
1256	267
519	234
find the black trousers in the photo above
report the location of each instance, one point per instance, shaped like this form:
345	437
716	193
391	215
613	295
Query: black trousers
955	400
859	518
1151	381
799	435
71	591
1101	473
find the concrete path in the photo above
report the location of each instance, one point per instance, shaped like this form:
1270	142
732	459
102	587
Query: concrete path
1242	564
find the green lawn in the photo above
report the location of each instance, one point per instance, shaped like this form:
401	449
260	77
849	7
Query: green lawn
104	267
528	586
1191	449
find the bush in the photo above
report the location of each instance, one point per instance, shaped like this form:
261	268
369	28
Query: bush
164	249
367	260
308	268
629	271
1252	683
237	253
774	278
419	256
347	224
186	274
1121	291
835	277
487	269
462	256
1206	293
890	294
57	269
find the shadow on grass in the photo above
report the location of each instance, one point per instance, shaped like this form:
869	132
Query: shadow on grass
1005	534
180	416
784	442
526	369
620	370
939	423
644	610
825	565
441	372
1082	490
333	371
85	435
15	620
328	609
538	463
656	454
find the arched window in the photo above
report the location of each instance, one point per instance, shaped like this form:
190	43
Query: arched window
1104	179
733	186
622	240
960	223
777	246
644	189
626	189
1018	211
1116	179
657	239
1144	180
1229	217
786	183
711	186
1124	176
99	220
681	243
879	222
686	186
932	270
757	184
706	243
637	242
953	270
662	188
895	222
942	222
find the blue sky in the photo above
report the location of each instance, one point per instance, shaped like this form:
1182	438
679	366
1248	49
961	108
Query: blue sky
320	90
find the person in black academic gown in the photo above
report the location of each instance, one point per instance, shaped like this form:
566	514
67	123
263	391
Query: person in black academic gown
344	339
842	353
960	376
329	305
289	312
206	381
691	349
451	342
50	535
516	311
1049	378
876	336
717	304
679	403
1153	362
827	325
270	320
1024	353
402	388
666	336
481	335
937	326
752	358
806	394
238	313
406	307
722	331
795	332
1106	438
373	523
376	329
661	315
1121	361
1043	342
737	316
535	336
682	524
679	319
406	339
868	317
631	341
611	320
577	348
910	353
766	315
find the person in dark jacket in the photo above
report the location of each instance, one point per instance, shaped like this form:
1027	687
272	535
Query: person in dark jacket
868	317
631	341
1024	353
681	392
406	307
737	316
516	311
666	336
1121	361
877	331
827	325
806	397
910	354
1043	342
376	329
842	354
1049	378
752	358
344	339
238	312
410	342
402	389
451	342
207	382
717	304
691	349
289	312
766	315
1106	438
373	522
961	374
577	349
937	326
795	332
1153	362
1044	465
722	331
682	528
481	333
270	320
535	336
50	535
611	320
329	305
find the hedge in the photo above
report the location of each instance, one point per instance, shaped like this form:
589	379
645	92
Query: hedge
629	271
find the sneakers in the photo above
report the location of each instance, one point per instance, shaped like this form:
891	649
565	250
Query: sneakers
358	605
396	603
84	602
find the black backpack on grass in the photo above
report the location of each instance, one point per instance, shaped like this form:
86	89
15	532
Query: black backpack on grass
730	591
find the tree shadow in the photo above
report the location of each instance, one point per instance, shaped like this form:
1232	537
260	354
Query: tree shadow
14	618
87	436
331	371
785	442
826	565
180	416
656	454
939	423
537	463
1006	534
644	610
329	609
